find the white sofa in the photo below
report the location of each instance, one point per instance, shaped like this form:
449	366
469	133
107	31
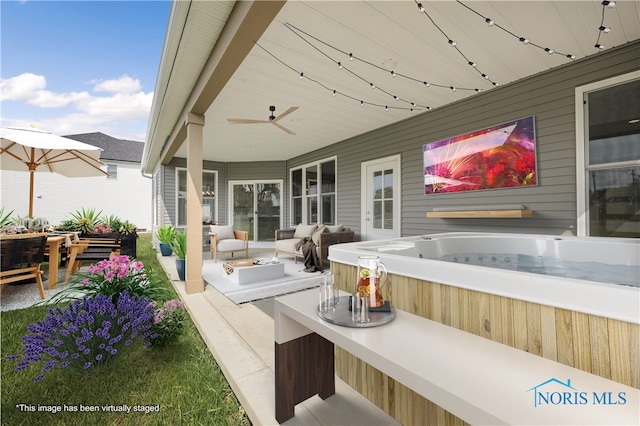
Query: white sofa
323	236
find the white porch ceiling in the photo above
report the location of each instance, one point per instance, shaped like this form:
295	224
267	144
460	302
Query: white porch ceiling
393	35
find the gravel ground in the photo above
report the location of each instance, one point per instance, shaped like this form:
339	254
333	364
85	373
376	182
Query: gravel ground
19	296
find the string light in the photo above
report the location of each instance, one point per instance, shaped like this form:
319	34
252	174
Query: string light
300	33
335	92
451	42
520	38
291	27
606	4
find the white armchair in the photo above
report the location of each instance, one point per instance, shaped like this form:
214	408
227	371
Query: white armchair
223	239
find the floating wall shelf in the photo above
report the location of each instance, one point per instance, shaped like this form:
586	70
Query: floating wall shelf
479	214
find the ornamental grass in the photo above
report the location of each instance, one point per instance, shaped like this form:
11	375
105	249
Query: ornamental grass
176	383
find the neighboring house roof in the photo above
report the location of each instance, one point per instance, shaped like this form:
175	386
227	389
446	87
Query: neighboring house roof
112	148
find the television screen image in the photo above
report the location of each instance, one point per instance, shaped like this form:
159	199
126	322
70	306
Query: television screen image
501	156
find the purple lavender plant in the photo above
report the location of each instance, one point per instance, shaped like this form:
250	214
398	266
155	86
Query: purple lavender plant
88	334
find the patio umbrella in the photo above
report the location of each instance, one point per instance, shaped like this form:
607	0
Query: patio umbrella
36	150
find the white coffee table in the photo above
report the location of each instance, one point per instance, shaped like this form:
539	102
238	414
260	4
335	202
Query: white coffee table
251	274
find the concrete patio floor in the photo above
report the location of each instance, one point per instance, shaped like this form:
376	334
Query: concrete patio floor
241	339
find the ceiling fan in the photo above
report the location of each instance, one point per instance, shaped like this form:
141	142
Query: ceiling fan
272	119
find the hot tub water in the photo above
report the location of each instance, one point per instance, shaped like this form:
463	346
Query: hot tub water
546	265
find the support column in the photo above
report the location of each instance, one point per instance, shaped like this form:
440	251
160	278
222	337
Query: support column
193	276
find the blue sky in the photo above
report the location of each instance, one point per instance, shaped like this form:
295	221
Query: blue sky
80	66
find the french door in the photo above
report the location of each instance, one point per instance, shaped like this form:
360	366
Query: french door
380	198
256	207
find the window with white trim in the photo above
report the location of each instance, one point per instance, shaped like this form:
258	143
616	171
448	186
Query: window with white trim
209	189
313	193
112	171
609	188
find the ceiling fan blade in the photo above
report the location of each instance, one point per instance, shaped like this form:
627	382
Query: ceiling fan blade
245	121
280	126
284	114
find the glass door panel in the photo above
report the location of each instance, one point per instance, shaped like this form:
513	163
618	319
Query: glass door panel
257	209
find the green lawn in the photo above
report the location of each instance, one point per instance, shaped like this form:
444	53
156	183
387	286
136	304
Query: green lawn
178	384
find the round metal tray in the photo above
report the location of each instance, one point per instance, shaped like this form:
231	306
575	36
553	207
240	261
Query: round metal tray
341	315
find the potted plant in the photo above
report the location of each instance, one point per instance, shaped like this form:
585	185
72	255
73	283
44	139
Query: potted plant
165	235
179	247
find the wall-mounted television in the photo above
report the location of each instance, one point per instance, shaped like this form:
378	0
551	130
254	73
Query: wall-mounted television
500	156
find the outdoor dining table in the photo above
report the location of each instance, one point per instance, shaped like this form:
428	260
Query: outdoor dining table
55	242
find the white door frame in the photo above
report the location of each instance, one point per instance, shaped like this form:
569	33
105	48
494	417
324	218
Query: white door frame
254	182
364	197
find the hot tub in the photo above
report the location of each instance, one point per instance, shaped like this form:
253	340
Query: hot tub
593	275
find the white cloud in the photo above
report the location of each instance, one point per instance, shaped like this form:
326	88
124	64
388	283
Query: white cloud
123	84
119	105
112	104
21	88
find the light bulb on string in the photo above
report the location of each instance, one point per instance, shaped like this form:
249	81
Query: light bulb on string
334	92
452	43
571	56
609	4
599	46
301	75
549	51
361	103
524	40
421	7
453	89
489	21
339	65
604	29
426	84
373	86
393	73
351	56
386	108
473	64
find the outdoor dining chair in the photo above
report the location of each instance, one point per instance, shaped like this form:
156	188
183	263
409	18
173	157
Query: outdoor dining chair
21	256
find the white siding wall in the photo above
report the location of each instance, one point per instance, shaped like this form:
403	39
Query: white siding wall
128	196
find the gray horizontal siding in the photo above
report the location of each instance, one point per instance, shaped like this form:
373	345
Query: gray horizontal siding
549	96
